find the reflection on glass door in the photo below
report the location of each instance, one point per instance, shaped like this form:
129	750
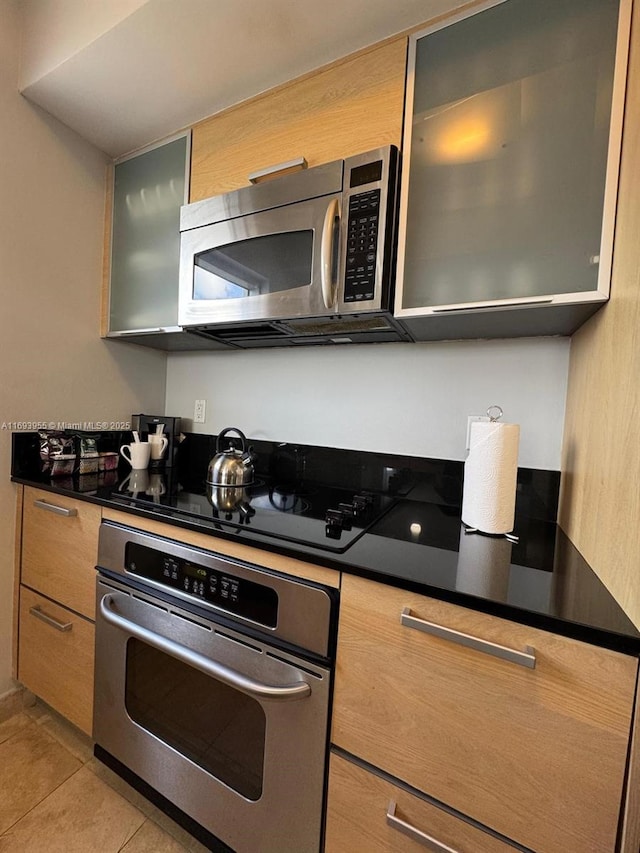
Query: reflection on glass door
217	727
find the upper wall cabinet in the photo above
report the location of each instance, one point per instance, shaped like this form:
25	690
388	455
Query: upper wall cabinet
511	154
347	108
142	285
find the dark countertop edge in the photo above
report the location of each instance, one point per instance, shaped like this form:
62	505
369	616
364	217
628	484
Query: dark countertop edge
612	640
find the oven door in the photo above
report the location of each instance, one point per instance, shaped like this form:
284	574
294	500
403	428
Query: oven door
231	731
273	265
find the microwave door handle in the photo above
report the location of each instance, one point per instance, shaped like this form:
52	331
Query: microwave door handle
327	254
257	689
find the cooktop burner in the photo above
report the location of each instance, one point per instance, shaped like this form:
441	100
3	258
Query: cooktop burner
317	515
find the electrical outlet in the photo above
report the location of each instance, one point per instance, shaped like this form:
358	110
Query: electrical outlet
470	420
199	411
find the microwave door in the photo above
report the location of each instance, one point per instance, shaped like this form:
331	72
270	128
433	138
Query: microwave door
276	264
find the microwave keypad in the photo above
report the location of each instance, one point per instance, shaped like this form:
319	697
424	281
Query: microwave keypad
362	243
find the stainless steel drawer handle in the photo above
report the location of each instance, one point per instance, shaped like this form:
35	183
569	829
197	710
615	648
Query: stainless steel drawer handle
421	837
59	510
298	690
40	614
522	658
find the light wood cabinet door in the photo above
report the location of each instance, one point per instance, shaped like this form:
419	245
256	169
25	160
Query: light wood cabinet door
59	551
367	814
537	755
55	657
345	109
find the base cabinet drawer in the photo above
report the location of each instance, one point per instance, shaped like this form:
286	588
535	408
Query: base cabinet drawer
537	755
368	814
59	547
55	657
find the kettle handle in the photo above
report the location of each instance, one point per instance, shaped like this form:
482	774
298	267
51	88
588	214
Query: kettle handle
225	432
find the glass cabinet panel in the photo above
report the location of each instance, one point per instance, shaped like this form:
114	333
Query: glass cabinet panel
507	154
149	190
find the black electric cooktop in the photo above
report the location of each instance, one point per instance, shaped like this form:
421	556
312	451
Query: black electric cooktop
325	517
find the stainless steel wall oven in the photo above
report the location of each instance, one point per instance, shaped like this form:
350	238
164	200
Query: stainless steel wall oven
212	688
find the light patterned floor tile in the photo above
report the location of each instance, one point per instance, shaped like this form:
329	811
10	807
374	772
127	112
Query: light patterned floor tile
12	726
32	765
81	816
151	811
78	743
150	838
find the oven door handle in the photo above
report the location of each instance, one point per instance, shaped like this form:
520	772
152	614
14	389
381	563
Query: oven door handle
222	673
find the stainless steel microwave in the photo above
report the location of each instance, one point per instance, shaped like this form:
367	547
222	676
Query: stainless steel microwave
300	259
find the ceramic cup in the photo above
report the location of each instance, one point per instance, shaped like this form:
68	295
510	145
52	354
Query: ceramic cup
137	454
158	445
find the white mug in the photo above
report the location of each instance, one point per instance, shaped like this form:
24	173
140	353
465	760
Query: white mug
137	454
158	445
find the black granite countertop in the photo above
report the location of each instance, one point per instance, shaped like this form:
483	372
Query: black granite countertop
416	541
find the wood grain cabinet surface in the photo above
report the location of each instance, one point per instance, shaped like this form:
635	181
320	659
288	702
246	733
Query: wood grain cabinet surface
56	568
55	657
368	814
350	107
537	755
59	551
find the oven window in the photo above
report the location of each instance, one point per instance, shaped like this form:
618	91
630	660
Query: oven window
215	726
254	267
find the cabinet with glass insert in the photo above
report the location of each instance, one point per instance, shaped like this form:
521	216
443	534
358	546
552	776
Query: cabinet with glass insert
511	159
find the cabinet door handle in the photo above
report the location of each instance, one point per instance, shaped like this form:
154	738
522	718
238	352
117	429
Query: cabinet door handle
278	169
416	834
59	510
491	306
522	658
40	614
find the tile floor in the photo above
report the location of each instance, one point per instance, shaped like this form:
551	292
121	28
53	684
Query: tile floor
55	796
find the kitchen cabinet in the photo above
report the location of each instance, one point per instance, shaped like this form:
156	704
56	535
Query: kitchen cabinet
57	602
141	286
535	753
352	106
367	812
511	158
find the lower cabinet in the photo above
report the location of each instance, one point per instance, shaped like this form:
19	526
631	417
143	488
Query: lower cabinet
368	814
522	731
55	655
56	568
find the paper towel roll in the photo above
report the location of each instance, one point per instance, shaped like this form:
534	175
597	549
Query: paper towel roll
490	476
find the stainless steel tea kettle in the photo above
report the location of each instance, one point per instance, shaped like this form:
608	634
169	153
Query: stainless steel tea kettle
231	468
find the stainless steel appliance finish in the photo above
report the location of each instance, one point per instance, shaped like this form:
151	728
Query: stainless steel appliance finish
231	468
304	258
212	686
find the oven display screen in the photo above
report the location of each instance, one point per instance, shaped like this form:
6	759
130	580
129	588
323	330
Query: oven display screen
236	595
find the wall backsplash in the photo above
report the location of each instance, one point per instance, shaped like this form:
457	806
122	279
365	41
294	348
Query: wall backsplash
397	398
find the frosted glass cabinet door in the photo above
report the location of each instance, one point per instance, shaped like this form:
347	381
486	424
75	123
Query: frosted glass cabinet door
149	189
512	145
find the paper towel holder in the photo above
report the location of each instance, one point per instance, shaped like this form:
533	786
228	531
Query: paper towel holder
494	413
511	537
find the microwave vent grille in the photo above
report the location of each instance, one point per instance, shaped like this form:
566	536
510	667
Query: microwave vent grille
340	325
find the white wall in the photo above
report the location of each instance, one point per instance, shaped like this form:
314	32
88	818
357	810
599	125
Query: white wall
54	30
53	365
399	398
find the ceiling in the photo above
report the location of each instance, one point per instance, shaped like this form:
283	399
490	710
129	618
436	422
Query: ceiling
156	66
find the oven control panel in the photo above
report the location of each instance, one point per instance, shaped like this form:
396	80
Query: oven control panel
238	596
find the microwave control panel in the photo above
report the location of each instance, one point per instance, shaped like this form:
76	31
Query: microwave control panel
362	245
